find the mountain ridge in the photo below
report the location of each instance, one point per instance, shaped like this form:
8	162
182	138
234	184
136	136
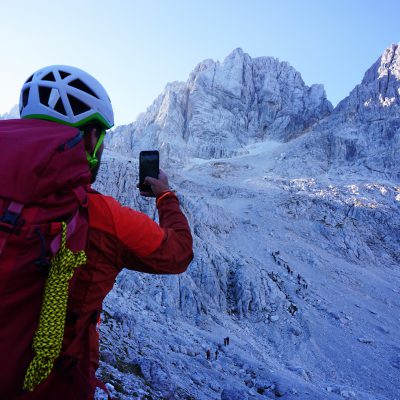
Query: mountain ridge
225	102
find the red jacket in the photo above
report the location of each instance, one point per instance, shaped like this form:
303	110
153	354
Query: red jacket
118	237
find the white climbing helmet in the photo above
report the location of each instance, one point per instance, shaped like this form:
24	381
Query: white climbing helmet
67	95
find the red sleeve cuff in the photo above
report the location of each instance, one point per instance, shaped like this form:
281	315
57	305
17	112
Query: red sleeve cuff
162	196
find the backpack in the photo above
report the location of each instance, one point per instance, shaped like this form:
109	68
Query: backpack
44	178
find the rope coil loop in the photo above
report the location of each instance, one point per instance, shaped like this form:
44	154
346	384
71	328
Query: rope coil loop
49	335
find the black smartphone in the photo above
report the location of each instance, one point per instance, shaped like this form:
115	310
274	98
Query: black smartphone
149	165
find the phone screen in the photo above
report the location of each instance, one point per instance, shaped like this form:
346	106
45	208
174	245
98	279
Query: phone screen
148	166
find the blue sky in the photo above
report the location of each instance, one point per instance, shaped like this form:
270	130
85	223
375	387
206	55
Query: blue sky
135	47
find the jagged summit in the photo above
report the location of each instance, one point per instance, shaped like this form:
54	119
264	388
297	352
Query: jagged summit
226	105
388	65
362	134
378	95
238	51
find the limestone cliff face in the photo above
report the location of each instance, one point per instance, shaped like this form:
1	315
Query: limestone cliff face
296	242
363	131
367	122
378	95
225	106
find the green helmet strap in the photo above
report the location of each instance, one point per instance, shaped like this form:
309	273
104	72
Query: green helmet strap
92	159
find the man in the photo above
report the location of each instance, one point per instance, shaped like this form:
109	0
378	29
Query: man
50	350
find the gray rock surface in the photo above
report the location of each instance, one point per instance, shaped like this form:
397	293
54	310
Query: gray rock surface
224	106
232	394
296	239
363	132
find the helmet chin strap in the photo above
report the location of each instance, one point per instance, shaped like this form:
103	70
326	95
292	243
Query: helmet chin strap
92	159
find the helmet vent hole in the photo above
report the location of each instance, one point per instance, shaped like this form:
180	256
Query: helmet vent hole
25	96
78	107
49	77
44	95
64	74
59	107
29	79
78	84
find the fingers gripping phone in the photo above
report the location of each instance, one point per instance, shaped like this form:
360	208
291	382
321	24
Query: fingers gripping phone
149	165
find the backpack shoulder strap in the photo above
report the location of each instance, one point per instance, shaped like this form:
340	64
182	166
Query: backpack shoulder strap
10	222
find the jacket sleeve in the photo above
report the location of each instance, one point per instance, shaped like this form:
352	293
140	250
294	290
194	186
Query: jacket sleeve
140	243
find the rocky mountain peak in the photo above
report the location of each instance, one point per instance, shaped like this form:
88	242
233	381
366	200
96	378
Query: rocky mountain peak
378	95
226	105
238	52
387	66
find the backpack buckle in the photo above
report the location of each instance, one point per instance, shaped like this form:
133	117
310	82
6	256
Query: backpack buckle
10	218
10	221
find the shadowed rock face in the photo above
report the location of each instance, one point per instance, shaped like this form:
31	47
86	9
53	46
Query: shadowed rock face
224	106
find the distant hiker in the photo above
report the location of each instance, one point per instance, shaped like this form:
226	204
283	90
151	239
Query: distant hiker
292	308
62	244
208	354
227	341
216	354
